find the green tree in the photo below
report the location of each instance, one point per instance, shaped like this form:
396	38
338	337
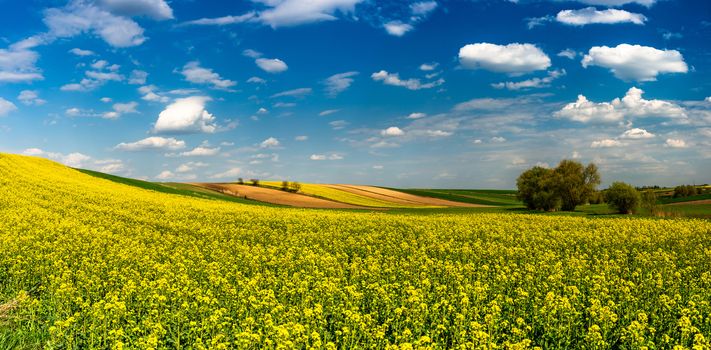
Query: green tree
622	197
649	200
575	183
536	189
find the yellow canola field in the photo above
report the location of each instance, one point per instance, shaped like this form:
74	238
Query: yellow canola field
87	263
333	194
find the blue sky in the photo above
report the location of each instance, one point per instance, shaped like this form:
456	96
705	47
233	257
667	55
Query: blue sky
396	93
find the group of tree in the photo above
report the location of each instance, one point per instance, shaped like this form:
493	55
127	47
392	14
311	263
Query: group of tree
562	188
685	191
290	186
571	184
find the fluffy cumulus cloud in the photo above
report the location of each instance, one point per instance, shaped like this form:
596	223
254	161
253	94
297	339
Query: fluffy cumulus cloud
392	131
676	143
199	75
79	52
514	59
120	109
271	65
636	134
338	83
6	107
411	84
270	142
590	15
152	143
84	17
397	28
635	62
186	115
632	105
618	2
156	9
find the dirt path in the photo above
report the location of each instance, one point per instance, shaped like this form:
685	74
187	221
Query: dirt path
701	201
269	195
401	197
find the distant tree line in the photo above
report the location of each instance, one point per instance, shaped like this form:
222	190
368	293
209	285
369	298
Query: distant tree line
290	186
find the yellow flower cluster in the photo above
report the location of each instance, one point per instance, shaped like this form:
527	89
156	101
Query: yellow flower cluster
89	263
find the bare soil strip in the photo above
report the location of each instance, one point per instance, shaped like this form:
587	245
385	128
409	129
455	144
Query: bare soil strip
401	197
273	196
701	201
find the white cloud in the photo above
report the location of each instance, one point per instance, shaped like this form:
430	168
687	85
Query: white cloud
262	111
17	65
427	67
165	174
6	107
438	133
104	76
498	139
635	62
256	80
513	58
156	9
590	15
80	160
106	99
338	124
270	143
152	143
397	28
631	105
676	143
637	133
618	2
284	13
411	84
301	92
301	138
606	143
416	115
568	53
121	108
199	75
223	21
233	172
186	115
423	8
251	53
80	52
201	151
190	166
534	83
81	17
338	83
271	65
332	156
328	112
30	97
149	94
392	131
138	77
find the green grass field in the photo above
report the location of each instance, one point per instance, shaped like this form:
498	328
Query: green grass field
483	197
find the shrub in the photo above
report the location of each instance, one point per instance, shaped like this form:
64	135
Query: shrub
240	181
649	201
684	191
255	182
622	197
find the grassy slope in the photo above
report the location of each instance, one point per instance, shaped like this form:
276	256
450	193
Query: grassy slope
172	188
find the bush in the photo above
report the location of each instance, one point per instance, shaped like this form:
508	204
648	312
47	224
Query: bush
622	197
255	182
240	181
290	186
596	198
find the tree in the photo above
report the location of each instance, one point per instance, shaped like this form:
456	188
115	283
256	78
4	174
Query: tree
294	187
649	200
536	189
622	197
255	182
285	185
575	183
240	181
